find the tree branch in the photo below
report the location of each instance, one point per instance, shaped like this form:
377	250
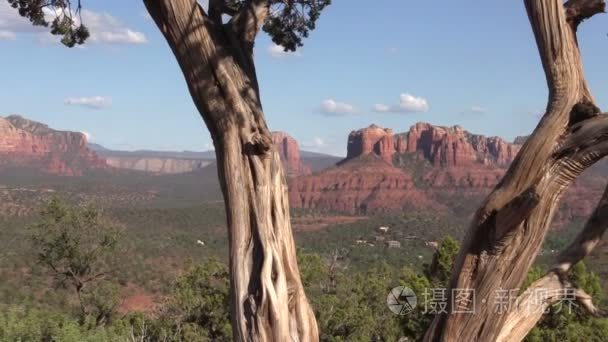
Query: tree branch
587	239
586	302
497	252
249	20
217	8
579	10
555	286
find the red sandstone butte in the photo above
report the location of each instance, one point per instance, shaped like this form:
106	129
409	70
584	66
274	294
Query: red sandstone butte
396	170
25	143
289	150
364	185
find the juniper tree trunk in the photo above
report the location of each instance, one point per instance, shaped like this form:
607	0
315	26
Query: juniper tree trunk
268	302
508	230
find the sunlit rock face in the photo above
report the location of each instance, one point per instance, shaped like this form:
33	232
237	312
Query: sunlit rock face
289	150
26	143
385	171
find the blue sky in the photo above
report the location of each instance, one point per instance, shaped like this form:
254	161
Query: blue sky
472	63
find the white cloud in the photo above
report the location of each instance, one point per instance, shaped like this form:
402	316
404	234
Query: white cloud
315	143
333	107
103	27
332	145
474	110
408	103
411	103
381	108
318	142
93	102
277	51
477	109
87	135
7	35
11	23
107	29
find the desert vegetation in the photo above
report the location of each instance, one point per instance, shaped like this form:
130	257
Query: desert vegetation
331	288
348	294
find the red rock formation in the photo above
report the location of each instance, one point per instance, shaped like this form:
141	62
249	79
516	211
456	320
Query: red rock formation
364	185
455	147
428	167
441	160
289	150
372	139
25	143
442	146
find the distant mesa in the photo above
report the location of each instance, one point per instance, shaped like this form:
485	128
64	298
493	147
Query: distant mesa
30	144
428	167
169	162
386	171
441	146
155	162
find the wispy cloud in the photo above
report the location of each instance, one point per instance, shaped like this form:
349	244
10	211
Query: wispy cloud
333	107
277	51
93	102
12	23
314	144
7	35
475	110
332	145
103	27
408	103
87	135
107	29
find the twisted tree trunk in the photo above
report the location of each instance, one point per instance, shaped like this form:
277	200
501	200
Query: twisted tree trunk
268	300
554	286
508	230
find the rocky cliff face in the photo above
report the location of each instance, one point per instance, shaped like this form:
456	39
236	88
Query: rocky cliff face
371	140
418	167
157	162
289	150
428	167
157	165
442	146
26	143
364	185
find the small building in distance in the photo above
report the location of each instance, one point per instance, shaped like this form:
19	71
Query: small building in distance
379	238
383	229
393	244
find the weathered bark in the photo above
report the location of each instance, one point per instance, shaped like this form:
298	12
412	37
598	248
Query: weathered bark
268	300
508	230
530	306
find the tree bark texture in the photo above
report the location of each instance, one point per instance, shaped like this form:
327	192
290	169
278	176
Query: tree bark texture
508	230
268	299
